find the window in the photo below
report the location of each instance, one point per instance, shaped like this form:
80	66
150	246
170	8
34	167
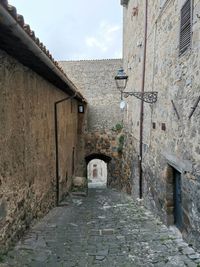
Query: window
185	27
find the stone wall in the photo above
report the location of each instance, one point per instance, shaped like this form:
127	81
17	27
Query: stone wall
27	147
169	142
106	143
95	79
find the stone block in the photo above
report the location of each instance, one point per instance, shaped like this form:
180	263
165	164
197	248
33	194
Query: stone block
168	175
170	219
79	181
3	210
170	210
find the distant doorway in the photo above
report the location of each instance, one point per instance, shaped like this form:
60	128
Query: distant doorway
178	217
97	173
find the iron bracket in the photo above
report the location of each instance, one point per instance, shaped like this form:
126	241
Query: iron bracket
194	107
148	97
175	109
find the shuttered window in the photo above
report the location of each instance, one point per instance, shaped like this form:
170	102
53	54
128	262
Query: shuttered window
185	27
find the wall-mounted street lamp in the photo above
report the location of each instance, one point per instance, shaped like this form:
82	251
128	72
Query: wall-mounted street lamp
81	108
150	97
121	81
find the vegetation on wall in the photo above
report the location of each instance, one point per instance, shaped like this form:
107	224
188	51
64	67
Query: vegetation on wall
118	127
121	143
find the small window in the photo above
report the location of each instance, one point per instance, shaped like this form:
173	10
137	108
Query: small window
185	27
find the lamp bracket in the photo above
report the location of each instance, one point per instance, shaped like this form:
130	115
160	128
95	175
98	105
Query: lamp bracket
148	97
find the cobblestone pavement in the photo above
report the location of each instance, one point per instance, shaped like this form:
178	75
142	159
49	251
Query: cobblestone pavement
104	229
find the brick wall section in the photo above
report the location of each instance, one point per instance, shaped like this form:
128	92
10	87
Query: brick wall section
27	147
175	78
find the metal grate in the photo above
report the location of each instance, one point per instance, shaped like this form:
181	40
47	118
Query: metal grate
185	27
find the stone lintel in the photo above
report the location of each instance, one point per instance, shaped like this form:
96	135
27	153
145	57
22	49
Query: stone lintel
179	164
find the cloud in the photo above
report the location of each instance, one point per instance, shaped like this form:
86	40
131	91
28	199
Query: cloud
105	38
76	33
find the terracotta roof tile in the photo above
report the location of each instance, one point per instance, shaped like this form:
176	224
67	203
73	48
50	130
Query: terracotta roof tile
20	20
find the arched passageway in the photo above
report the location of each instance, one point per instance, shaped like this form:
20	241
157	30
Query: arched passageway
97	173
97	170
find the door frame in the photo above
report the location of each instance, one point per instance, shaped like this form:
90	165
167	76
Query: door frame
177	198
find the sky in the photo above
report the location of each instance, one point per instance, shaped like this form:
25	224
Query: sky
75	30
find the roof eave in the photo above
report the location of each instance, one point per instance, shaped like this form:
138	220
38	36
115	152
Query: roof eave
37	60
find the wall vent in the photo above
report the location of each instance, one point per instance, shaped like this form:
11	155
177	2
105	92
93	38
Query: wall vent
163	127
124	2
185	27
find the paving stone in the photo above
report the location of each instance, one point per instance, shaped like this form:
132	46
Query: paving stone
107	231
104	229
188	251
100	257
194	256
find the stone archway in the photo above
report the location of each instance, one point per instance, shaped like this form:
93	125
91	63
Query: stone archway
106	146
105	158
100	156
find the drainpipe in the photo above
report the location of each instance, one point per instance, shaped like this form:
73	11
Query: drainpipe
56	143
142	102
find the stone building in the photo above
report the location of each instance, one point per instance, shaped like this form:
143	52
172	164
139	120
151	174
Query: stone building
103	138
170	158
39	123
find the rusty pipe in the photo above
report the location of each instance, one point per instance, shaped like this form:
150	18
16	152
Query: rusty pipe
194	107
56	143
142	102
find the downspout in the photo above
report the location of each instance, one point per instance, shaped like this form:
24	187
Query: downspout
142	103
56	143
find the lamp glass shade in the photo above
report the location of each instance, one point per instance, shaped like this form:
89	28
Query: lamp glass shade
121	80
80	108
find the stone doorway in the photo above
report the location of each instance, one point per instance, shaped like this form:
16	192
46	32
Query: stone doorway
177	199
174	197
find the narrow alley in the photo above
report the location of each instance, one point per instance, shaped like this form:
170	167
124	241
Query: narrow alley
107	228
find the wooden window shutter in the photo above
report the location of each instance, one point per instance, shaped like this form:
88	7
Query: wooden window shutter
185	27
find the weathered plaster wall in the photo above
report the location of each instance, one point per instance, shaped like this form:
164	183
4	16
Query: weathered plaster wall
27	147
175	78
